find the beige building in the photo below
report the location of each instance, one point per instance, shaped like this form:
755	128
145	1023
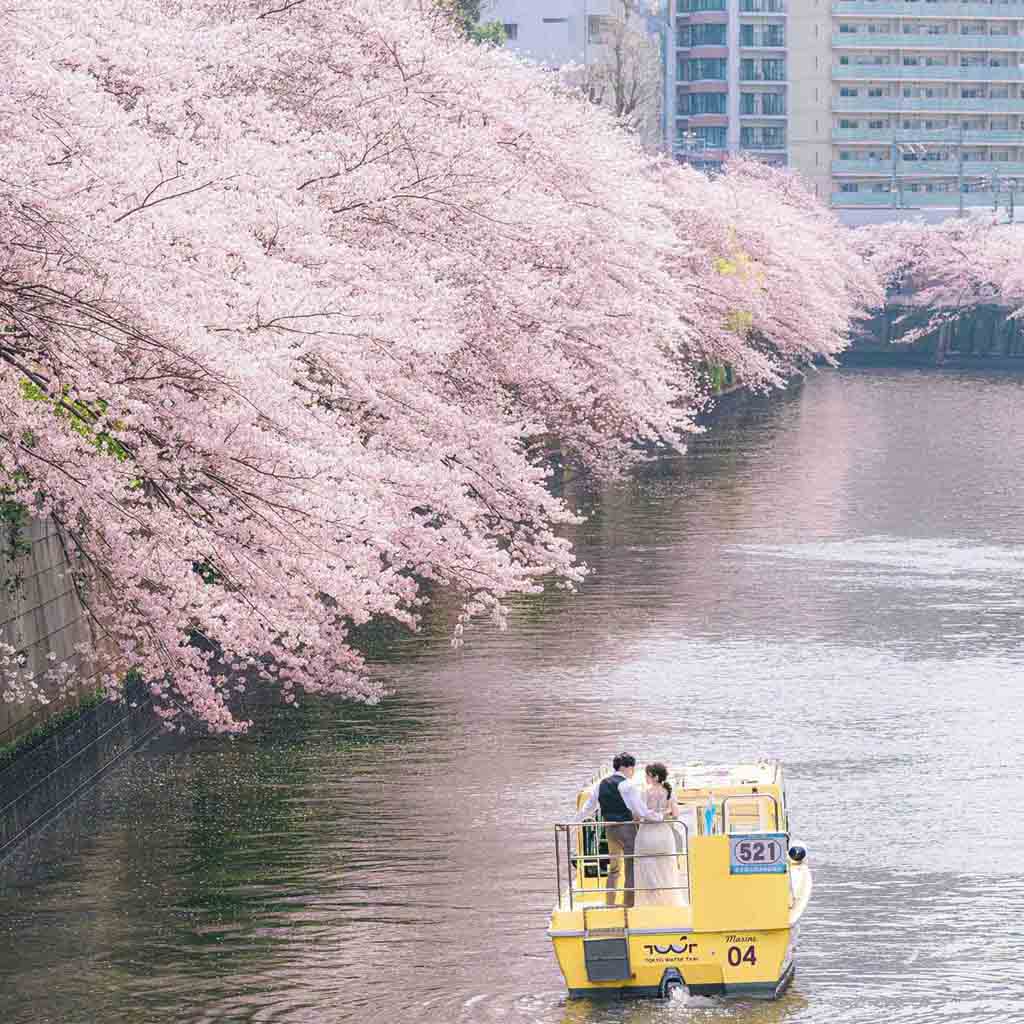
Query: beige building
924	102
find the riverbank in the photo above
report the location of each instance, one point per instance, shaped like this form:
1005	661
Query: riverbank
983	338
40	774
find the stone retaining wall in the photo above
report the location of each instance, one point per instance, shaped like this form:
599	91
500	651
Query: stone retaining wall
40	612
42	780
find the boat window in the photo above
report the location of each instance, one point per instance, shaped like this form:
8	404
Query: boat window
756	812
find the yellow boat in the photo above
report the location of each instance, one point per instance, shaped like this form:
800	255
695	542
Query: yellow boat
745	886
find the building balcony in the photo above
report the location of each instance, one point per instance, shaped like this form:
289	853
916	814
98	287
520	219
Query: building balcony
928	168
915	9
899	73
749	77
949	41
760	115
763	147
947	135
912	199
900	105
774	7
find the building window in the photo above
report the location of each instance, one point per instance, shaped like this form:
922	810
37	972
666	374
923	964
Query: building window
876	126
847	91
599	28
875	93
848	125
701	69
762	138
555	21
763	70
761	35
707	103
708	35
511	31
849	186
713	138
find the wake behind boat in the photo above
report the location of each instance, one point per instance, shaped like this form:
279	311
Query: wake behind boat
729	924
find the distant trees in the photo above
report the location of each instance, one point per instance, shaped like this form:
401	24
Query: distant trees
952	267
295	296
465	14
624	71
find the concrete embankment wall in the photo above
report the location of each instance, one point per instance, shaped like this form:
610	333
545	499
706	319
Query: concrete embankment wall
40	612
45	778
983	337
53	760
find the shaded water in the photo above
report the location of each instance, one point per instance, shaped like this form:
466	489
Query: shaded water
835	578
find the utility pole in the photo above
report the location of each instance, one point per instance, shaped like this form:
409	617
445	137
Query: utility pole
960	172
899	149
892	160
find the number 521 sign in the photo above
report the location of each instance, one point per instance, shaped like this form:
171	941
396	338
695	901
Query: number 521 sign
763	854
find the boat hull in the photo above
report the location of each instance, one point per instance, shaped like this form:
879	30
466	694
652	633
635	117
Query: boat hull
638	963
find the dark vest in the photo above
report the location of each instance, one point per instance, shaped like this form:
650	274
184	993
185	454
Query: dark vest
613	807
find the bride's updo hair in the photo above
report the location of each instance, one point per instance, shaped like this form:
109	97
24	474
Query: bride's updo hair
659	772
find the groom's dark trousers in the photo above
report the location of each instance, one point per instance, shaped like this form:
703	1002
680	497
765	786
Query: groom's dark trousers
621	837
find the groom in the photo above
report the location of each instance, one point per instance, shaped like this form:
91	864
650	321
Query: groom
620	804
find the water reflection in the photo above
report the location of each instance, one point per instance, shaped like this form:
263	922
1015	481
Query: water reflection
833	578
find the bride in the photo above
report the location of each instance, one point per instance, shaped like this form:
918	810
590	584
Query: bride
658	879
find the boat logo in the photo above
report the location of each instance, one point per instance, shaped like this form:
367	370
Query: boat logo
686	947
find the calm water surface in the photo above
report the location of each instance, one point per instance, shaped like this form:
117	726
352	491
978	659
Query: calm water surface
835	578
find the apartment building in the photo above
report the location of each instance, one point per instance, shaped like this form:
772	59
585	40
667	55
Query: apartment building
880	104
927	102
730	80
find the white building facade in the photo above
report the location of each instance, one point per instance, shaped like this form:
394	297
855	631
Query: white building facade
552	31
584	32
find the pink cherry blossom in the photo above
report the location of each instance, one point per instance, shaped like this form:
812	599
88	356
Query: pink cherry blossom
307	296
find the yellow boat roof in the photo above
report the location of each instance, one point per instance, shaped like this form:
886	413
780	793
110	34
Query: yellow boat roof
713	776
701	776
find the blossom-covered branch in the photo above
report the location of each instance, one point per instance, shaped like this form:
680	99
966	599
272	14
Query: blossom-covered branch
310	380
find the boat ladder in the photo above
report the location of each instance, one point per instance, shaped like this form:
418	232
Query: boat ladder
605	943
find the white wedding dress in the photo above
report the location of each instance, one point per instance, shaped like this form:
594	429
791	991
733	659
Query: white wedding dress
658	880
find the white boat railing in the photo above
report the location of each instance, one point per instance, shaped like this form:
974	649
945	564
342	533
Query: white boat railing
573	861
721	823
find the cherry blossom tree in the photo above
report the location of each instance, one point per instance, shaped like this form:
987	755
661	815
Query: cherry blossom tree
949	268
298	296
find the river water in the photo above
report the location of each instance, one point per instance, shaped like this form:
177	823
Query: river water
834	578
